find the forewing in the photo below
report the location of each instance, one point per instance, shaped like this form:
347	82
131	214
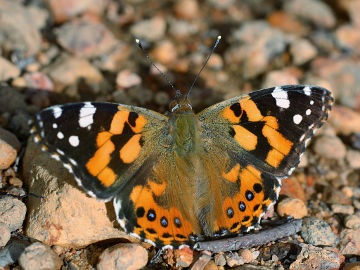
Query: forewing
269	128
102	144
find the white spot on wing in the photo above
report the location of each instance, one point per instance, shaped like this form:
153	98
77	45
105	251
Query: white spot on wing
57	111
74	141
60	152
68	167
308	112
60	135
311	102
86	114
307	91
281	98
55	125
297	118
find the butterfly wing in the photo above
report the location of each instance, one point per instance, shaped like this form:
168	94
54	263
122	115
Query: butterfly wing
102	144
261	137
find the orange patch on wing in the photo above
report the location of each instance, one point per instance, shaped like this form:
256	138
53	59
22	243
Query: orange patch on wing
130	151
229	115
277	140
101	159
107	177
139	124
271	121
233	174
245	138
117	124
156	188
252	111
274	158
102	138
142	197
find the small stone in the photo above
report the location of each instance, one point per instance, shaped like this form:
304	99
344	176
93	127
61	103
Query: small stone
351	266
344	120
9	146
233	259
38	256
4	234
317	232
350	242
342	209
292	187
123	257
312	257
86	39
38	80
353	158
127	79
302	51
315	11
204	262
348	37
287	23
14	181
353	222
66	71
219	259
186	9
114	59
210	266
255	255
330	147
151	29
165	52
8	70
12	251
279	77
182	29
12	212
292	207
247	255
184	256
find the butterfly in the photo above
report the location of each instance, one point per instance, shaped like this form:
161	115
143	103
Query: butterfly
186	177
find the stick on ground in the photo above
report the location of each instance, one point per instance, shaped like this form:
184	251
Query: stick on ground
251	240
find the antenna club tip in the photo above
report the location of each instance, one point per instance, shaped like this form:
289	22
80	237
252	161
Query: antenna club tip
137	40
219	37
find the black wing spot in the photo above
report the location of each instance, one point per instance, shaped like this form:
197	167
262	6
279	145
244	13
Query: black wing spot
236	108
177	222
230	212
132	118
140	212
257	187
164	222
151	215
242	206
249	195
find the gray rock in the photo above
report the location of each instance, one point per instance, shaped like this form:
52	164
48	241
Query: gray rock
318	233
11	252
12	212
38	256
4	234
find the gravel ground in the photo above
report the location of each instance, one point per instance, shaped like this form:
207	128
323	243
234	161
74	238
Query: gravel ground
59	51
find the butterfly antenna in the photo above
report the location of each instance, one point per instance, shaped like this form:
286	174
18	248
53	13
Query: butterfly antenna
207	59
153	64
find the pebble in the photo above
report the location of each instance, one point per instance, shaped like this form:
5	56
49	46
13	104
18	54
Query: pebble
8	70
350	242
114	59
233	259
292	187
210	266
348	37
127	79
38	256
330	147
353	158
219	259
318	233
302	51
342	209
9	146
12	251
351	266
150	29
312	257
352	7
292	207
182	29
84	38
260	44
123	257
204	262
27	40
4	234
165	52
287	23
186	9
66	71
344	120
353	221
247	255
184	256
279	77
38	80
12	212
314	11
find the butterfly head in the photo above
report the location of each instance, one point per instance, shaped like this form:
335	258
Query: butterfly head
180	103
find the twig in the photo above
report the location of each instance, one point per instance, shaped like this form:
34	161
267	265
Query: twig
251	240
